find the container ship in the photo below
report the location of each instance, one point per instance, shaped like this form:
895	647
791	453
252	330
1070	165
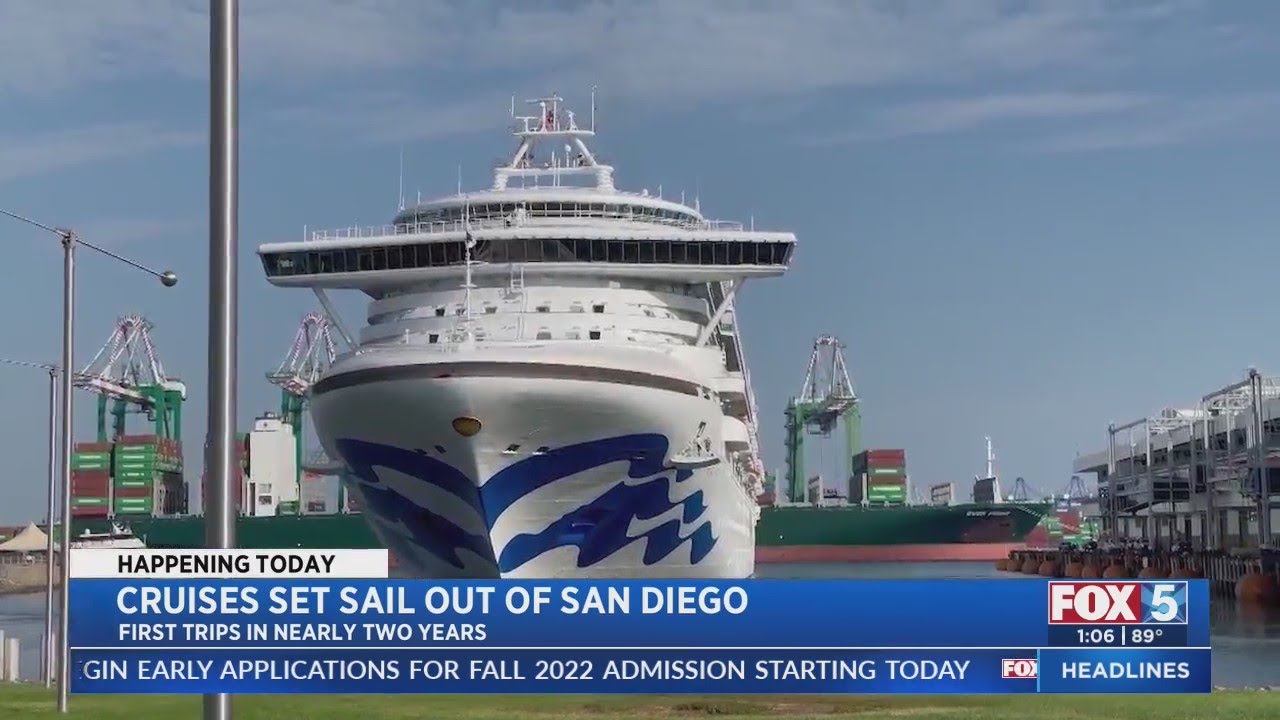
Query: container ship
875	521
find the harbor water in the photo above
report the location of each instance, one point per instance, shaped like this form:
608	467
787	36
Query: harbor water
1246	641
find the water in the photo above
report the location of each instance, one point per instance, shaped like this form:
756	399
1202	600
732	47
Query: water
1246	641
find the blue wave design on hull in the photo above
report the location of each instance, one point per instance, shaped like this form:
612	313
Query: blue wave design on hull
598	529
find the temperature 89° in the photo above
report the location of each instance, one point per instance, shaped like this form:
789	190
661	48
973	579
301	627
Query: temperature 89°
1144	636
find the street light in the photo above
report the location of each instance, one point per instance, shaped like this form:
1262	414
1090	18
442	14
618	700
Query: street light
46	641
224	171
168	279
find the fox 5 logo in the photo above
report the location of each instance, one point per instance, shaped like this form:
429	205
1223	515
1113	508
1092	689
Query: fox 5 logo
1019	669
1115	603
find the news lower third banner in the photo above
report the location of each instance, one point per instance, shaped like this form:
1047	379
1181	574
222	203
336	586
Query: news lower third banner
290	621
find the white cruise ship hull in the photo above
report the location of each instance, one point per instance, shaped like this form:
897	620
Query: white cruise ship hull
569	475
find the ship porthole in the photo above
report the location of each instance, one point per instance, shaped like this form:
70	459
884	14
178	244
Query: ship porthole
466	426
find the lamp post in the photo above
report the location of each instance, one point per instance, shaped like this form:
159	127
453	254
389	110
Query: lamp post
46	640
224	109
167	278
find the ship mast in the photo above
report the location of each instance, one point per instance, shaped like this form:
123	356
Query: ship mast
555	126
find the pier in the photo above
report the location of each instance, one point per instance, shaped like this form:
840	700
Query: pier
1186	493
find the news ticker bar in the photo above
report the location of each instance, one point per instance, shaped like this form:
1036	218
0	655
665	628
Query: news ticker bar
664	671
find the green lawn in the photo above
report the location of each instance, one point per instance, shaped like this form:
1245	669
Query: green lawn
25	702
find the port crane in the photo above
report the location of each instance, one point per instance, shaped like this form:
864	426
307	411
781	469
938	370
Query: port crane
826	400
127	376
310	355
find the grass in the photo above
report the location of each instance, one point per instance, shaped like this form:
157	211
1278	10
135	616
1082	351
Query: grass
30	703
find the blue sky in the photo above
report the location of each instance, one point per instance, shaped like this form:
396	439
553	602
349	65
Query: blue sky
1023	218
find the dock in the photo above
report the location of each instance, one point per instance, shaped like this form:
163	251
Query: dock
1189	492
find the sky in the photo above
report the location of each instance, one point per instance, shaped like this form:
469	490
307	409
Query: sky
1024	219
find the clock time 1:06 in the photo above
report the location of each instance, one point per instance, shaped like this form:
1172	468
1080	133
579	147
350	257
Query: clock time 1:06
1096	636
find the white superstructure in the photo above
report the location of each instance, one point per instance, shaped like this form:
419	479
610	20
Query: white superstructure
551	382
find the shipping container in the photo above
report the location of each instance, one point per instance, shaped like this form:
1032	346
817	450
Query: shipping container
133	506
877	490
144	491
89	502
890	494
92	447
90	511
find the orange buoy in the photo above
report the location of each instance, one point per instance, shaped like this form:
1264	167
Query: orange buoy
1090	570
1115	570
1048	568
1002	564
1152	572
1073	570
1030	567
1257	589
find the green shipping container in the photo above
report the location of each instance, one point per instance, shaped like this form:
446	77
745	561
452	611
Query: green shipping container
887	493
289	507
134	484
133	505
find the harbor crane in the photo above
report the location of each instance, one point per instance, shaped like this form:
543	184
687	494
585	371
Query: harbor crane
310	355
826	400
127	376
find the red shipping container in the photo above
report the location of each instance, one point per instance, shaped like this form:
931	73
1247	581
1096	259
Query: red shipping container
137	439
90	487
90	474
886	454
92	447
145	491
89	511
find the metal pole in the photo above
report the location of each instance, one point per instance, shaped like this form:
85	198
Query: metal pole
68	353
219	508
47	664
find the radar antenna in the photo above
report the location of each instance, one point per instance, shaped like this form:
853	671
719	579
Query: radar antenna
555	125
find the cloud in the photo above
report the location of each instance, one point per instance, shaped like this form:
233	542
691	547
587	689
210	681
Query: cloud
1212	117
670	49
40	153
932	117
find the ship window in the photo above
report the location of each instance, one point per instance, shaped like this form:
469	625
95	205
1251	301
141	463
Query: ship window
575	307
594	334
599	250
437	255
597	308
490	309
573	335
662	250
678	254
440	311
631	251
440	449
646	252
544	308
544	335
511	450
615	251
433	338
365	258
515	251
499	252
542	450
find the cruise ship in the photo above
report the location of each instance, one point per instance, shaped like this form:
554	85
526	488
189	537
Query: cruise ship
550	383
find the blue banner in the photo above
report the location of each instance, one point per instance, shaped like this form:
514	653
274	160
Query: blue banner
757	636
